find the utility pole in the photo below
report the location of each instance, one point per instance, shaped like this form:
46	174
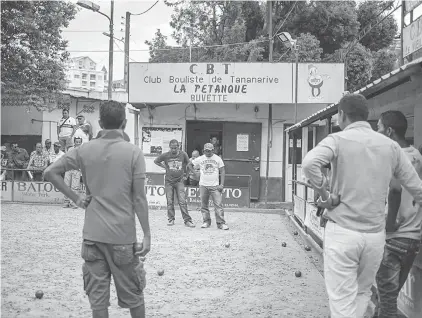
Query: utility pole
270	106
110	53
127	42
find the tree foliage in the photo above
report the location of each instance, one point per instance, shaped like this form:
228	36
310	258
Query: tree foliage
233	31
33	53
384	62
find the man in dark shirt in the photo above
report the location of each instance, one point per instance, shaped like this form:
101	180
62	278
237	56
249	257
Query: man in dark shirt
113	171
175	162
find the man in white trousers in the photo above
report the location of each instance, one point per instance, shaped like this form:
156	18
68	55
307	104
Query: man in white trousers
363	162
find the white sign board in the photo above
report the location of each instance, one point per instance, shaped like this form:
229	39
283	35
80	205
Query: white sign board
312	221
412	37
6	191
242	142
41	192
410	5
320	82
210	83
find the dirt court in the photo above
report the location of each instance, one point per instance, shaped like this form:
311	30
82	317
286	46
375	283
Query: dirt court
254	277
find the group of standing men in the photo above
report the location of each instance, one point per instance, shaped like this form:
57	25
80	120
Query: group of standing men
179	169
373	208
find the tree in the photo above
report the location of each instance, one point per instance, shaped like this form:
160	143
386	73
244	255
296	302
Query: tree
384	62
160	52
382	35
33	53
308	48
321	28
359	65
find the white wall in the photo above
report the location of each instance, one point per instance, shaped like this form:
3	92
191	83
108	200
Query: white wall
174	116
16	120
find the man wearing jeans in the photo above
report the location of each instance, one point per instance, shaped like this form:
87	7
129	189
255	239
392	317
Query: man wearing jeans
362	164
175	162
211	166
404	220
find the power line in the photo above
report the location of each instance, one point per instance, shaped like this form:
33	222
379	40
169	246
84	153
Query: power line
82	31
288	14
176	48
146	10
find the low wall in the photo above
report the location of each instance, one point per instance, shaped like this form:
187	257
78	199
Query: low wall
45	192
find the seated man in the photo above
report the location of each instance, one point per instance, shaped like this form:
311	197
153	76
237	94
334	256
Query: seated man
38	162
17	159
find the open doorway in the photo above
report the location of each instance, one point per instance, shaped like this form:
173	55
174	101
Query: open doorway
198	133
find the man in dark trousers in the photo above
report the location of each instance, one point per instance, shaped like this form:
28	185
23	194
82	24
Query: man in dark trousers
175	162
113	171
403	222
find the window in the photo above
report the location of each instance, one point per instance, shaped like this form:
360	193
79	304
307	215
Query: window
84	83
100	78
92	77
76	76
80	63
92	84
84	76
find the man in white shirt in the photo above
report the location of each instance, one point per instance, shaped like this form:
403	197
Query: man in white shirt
363	163
65	130
211	166
83	129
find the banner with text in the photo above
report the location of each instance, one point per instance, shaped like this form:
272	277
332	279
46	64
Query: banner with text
412	37
210	83
312	221
6	191
45	192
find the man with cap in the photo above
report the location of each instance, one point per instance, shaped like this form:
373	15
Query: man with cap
363	163
210	166
57	153
83	129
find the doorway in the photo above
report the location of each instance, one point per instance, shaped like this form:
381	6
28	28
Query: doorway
239	144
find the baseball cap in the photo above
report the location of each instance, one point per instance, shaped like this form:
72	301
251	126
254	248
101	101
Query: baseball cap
56	144
80	116
208	146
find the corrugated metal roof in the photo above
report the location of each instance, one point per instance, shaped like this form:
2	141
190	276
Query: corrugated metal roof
333	107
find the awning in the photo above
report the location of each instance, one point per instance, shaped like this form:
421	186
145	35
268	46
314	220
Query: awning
379	86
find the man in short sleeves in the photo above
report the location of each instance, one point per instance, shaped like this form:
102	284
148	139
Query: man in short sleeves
65	130
175	162
113	171
211	166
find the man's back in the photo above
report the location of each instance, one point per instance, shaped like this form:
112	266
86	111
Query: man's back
109	164
363	166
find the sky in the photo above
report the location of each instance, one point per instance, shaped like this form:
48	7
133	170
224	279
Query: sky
84	33
85	37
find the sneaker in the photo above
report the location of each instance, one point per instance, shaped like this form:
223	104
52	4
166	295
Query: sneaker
205	225
170	223
66	205
189	224
223	226
74	207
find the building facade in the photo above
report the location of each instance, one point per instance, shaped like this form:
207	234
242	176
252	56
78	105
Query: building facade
82	73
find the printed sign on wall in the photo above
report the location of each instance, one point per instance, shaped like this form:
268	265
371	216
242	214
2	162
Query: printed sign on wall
320	82
6	191
210	83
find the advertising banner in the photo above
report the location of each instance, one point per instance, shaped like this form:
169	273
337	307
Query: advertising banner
210	83
410	297
6	191
36	192
299	208
320	82
412	37
312	221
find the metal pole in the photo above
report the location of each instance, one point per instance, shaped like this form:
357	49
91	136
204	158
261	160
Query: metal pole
270	106
296	80
110	53
401	33
127	42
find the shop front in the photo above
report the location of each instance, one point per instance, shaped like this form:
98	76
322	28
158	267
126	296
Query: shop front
399	90
228	104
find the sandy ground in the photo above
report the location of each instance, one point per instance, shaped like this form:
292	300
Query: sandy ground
254	277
